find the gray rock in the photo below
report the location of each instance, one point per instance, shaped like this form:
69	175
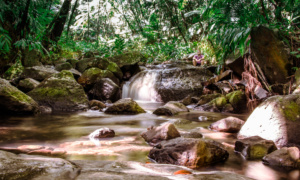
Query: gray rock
190	152
63	66
61	92
276	119
229	124
254	147
14	101
166	131
14	166
38	73
285	157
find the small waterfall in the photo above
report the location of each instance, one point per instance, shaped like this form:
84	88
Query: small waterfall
142	86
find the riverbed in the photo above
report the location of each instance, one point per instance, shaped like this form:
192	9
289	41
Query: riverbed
70	132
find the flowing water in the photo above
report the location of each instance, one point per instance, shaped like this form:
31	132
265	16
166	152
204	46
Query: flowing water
70	132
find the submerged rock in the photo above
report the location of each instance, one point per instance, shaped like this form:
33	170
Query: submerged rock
125	106
276	119
61	92
190	152
229	124
171	108
14	101
96	103
14	166
167	131
254	147
287	157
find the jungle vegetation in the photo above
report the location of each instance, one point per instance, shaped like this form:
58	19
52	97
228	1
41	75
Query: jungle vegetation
160	29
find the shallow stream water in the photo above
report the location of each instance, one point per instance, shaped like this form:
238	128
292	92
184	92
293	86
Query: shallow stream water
69	132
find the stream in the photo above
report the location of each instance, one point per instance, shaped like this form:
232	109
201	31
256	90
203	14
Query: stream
70	132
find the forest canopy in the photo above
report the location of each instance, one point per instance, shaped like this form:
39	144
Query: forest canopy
160	29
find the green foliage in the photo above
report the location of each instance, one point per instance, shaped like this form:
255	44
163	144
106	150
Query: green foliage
5	41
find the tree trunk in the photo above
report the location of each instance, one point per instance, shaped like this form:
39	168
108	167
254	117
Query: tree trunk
71	18
58	23
22	26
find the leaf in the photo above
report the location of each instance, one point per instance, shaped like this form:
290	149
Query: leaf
294	52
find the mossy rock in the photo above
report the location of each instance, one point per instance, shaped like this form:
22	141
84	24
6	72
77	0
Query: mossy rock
101	63
38	73
114	68
207	98
63	66
84	64
27	84
129	58
90	76
61	92
14	101
220	102
238	101
125	106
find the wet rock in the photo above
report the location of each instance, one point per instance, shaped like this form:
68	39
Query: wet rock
14	101
275	119
90	76
102	133
192	134
171	108
61	92
45	109
14	166
270	54
125	106
27	84
215	105
229	124
63	66
287	157
182	121
97	103
228	108
166	131
105	89
254	147
38	73
238	101
190	152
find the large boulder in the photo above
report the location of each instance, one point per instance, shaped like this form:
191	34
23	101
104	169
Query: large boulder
105	64
276	119
63	66
287	157
61	92
15	101
164	84
125	106
190	152
165	131
171	108
105	89
38	73
238	101
84	64
270	54
22	166
229	124
254	147
125	59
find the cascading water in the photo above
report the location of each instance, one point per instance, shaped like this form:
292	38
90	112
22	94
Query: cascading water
141	87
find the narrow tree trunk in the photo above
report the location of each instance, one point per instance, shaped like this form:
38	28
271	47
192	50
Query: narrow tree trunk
71	18
22	26
58	23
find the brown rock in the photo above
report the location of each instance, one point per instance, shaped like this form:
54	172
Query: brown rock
125	106
164	132
102	133
285	157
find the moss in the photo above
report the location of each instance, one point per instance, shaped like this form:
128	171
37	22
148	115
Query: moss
114	68
291	111
64	74
220	102
17	95
235	97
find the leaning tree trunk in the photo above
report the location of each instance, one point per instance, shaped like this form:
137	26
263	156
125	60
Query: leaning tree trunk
22	26
71	18
56	27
